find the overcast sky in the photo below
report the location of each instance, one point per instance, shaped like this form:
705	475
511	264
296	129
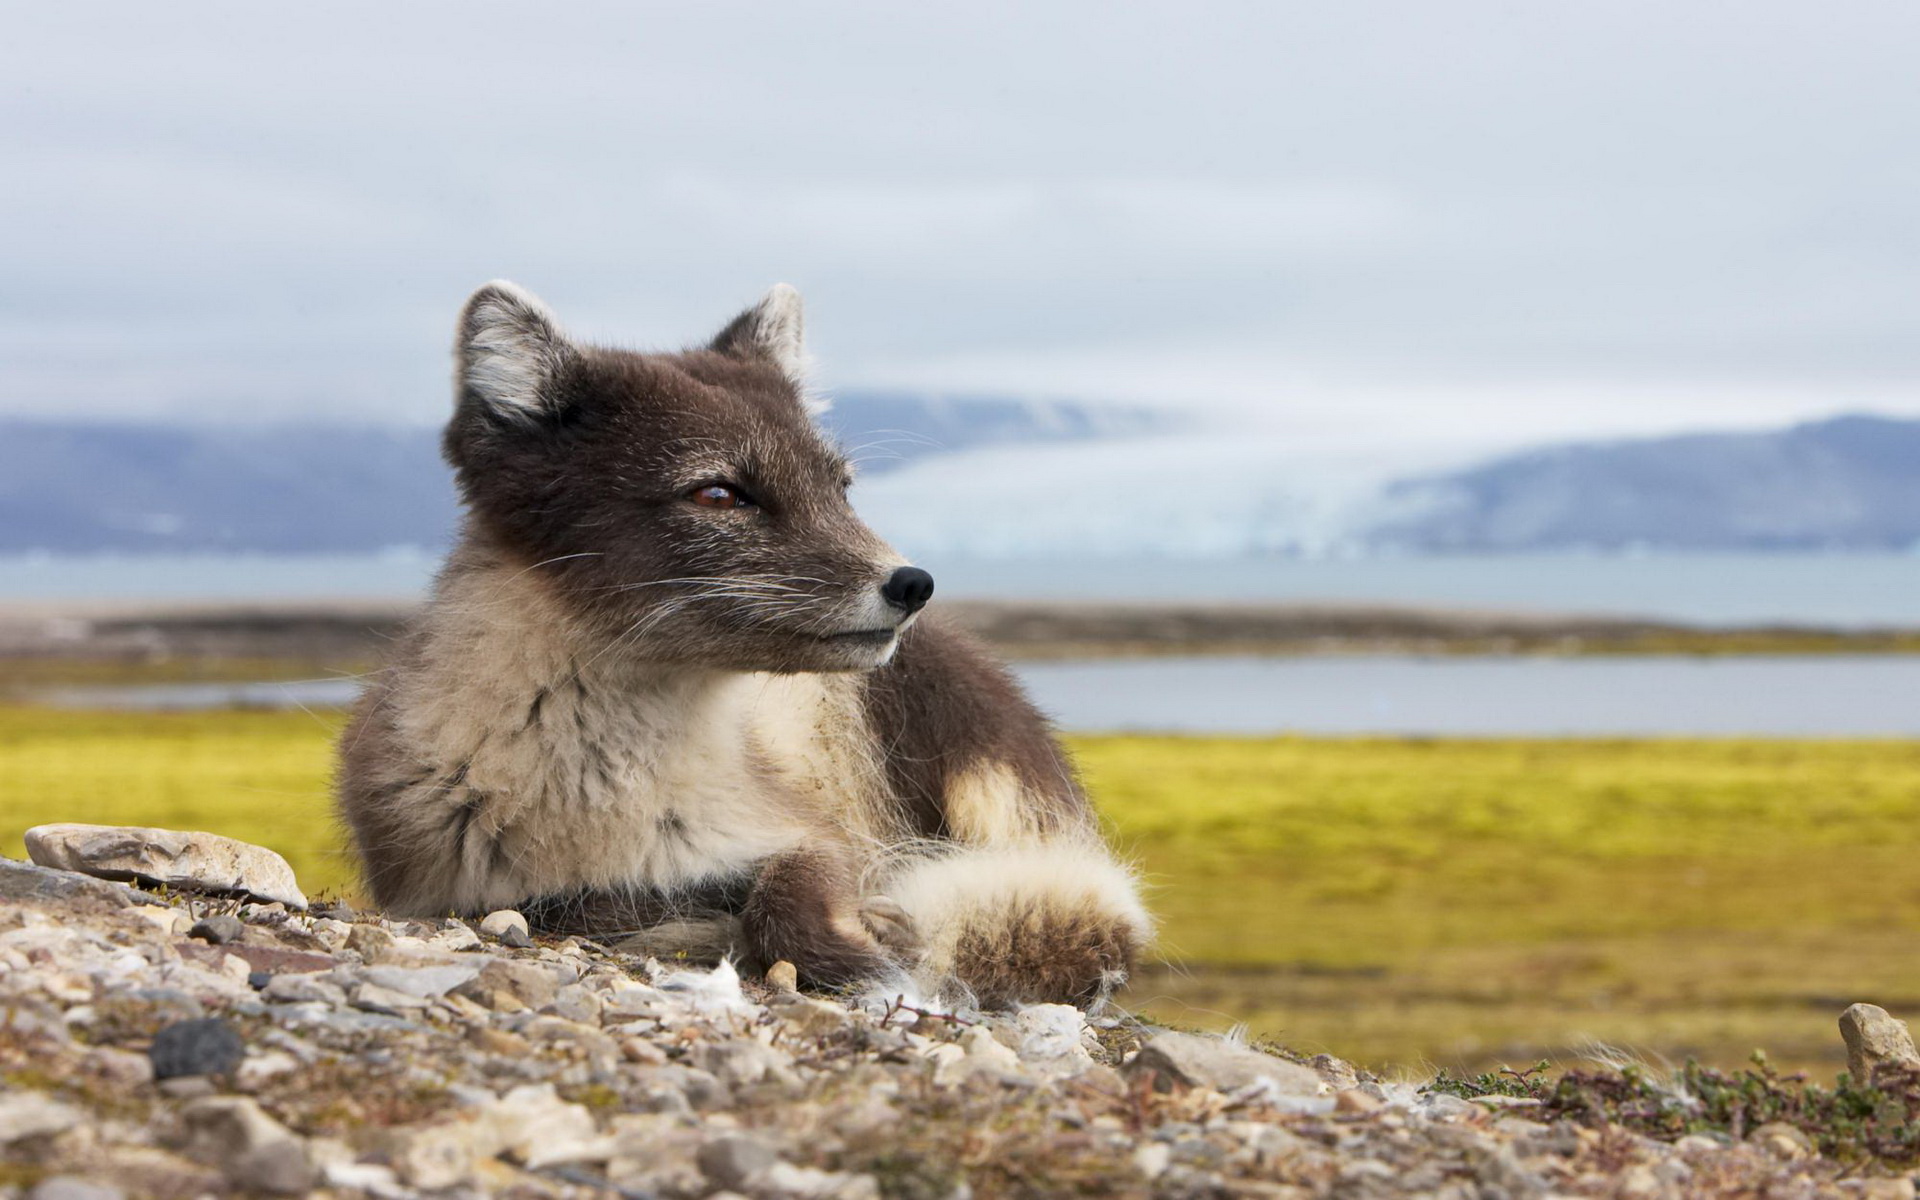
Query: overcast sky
1446	222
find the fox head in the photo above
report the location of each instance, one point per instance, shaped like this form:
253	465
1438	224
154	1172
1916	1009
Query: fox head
685	504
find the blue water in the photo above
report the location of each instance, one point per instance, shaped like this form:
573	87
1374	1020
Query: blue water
1838	589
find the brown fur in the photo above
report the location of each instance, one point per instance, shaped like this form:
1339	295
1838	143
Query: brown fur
711	729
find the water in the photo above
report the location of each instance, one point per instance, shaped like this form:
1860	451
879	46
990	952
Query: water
1511	697
1489	697
1719	589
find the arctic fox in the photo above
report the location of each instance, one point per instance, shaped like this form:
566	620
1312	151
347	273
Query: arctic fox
670	690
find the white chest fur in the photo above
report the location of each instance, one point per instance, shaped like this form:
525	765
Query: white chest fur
560	769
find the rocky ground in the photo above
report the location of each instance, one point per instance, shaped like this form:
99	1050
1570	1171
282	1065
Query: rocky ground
158	1040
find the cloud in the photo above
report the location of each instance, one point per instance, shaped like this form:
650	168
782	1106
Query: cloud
1462	222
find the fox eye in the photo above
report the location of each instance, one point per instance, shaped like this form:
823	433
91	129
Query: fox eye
720	495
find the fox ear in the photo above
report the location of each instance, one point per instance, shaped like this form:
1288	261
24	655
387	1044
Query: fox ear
507	351
772	329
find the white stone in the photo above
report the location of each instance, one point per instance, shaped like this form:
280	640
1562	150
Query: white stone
196	861
1153	1159
536	1127
1054	1036
25	1115
423	982
455	940
371	997
495	924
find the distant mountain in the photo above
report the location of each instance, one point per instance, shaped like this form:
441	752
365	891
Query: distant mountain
1850	482
991	477
884	431
69	487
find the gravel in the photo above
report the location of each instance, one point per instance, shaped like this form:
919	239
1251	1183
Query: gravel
386	1059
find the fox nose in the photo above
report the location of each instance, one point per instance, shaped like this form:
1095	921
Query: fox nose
908	588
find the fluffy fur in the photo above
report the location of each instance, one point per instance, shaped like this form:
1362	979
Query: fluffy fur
661	694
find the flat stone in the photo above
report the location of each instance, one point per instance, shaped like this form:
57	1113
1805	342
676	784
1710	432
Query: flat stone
219	930
28	1115
736	1160
424	982
436	1157
456	938
72	1187
251	1149
1875	1038
372	943
528	985
303	989
809	1017
371	997
27	883
536	1127
206	1046
1194	1061
202	862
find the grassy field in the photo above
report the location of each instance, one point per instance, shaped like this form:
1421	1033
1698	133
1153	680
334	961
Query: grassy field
1402	903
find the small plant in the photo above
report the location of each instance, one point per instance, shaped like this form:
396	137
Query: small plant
1850	1122
1521	1085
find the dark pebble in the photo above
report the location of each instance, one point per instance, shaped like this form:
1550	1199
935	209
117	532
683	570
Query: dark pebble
208	1046
219	930
258	980
516	938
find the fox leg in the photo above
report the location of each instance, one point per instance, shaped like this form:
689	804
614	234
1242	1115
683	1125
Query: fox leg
1027	906
806	907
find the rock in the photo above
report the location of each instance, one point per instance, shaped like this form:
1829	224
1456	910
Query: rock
527	985
1355	1102
1337	1073
1782	1140
808	1017
577	1003
72	1187
28	1115
435	1157
784	976
251	1148
458	937
259	1069
371	997
1053	1035
166	919
122	1068
26	883
206	1046
975	1050
502	922
303	989
736	1160
538	1128
202	862
1153	1159
744	1063
372	943
422	982
219	930
1194	1061
1875	1038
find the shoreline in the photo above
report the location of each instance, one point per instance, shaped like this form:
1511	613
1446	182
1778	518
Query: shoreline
107	641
